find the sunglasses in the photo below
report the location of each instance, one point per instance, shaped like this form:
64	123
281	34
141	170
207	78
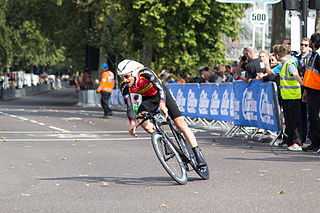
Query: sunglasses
126	76
305	45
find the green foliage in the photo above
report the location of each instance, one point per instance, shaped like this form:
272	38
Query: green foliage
183	34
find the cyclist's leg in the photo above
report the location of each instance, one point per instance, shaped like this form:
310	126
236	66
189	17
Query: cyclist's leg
180	123
188	134
147	125
148	104
191	139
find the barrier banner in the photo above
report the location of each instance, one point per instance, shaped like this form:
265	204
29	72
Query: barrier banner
244	104
187	97
256	104
216	102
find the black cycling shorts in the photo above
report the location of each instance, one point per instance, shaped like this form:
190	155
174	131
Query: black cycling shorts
151	104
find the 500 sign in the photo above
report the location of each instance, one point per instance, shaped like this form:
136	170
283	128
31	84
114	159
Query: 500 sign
259	18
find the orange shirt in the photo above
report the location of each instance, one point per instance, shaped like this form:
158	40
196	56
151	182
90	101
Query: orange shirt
107	82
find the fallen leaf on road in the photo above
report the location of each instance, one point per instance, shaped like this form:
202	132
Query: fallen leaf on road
77	140
291	182
214	140
150	187
243	152
105	184
196	192
57	184
261	175
281	192
46	161
5	141
87	184
25	195
163	205
213	185
318	180
64	158
310	193
3	137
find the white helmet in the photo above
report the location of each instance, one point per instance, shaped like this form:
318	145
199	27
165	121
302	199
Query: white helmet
127	66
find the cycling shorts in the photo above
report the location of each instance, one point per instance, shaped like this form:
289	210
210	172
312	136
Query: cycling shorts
151	104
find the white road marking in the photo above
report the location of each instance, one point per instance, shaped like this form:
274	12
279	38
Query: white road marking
56	128
86	139
71	132
22	118
72	119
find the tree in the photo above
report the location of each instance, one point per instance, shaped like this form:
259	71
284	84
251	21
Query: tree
278	25
317	22
181	34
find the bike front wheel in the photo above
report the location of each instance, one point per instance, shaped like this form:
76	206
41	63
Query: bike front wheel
169	158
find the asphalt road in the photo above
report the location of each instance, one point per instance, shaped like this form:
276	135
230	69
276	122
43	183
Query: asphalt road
57	157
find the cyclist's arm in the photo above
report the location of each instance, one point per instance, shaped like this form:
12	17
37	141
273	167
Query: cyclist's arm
127	99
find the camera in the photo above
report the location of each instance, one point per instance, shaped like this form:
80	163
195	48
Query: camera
244	58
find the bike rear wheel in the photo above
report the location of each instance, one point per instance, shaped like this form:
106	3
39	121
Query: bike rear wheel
171	162
203	172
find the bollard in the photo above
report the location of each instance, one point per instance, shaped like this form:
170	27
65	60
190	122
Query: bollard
90	98
97	99
80	98
18	93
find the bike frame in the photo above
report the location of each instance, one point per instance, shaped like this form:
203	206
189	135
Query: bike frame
173	130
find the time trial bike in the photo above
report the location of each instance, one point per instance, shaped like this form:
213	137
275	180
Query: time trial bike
171	148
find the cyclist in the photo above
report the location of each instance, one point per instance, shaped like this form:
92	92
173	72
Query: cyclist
136	78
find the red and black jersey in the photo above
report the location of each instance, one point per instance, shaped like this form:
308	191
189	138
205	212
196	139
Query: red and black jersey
147	84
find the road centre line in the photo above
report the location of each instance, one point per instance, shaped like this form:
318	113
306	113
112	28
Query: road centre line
70	132
56	128
86	139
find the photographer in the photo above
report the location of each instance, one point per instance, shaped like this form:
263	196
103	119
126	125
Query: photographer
253	67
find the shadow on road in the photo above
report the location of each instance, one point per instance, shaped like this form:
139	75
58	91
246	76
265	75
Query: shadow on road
144	181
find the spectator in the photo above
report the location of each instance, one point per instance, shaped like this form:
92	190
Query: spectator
311	82
170	79
163	76
290	94
253	66
228	74
181	78
302	59
218	75
205	76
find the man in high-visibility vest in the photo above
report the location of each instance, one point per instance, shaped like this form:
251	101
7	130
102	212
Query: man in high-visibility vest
105	88
311	95
291	96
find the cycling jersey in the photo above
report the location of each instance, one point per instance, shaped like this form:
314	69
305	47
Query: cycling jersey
153	92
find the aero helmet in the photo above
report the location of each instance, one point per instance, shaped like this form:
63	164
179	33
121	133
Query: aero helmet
127	66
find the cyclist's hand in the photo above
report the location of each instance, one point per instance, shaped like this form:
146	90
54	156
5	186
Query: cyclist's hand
163	109
133	129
